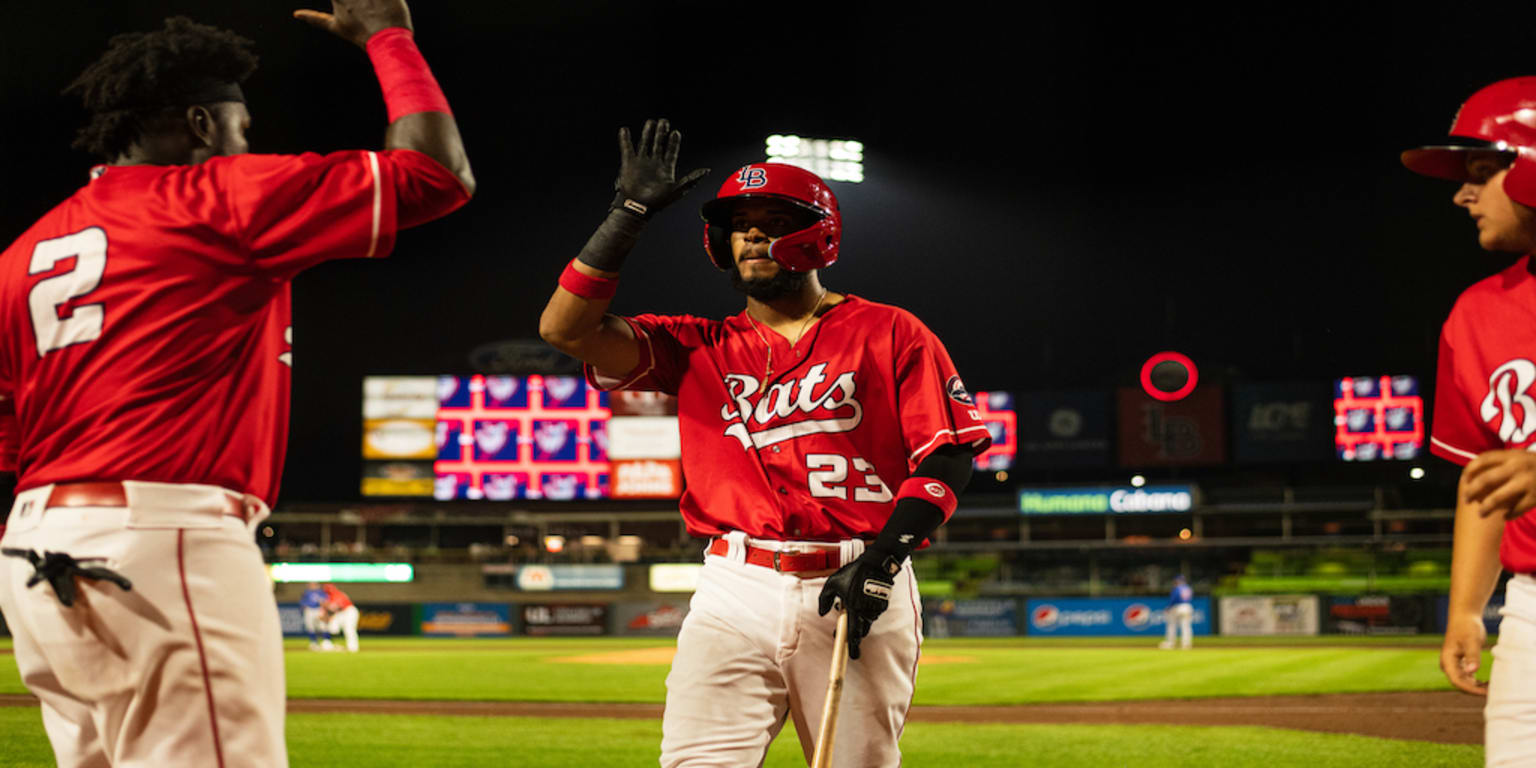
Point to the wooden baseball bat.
(823, 755)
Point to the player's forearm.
(915, 518)
(1474, 560)
(419, 116)
(575, 321)
(581, 328)
(569, 319)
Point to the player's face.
(755, 224)
(1502, 223)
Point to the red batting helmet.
(811, 248)
(1500, 119)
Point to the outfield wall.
(662, 616)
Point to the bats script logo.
(748, 415)
(1508, 401)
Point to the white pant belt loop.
(738, 546)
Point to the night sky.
(1058, 194)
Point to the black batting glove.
(60, 571)
(864, 588)
(648, 179)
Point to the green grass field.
(975, 672)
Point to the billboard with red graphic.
(1378, 417)
(487, 437)
(499, 438)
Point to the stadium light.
(1138, 481)
(831, 159)
(554, 543)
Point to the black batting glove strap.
(647, 179)
(60, 570)
(864, 588)
(607, 248)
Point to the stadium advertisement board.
(651, 618)
(1191, 431)
(545, 619)
(1281, 422)
(1378, 615)
(1106, 616)
(1491, 616)
(1258, 615)
(1168, 499)
(466, 619)
(1064, 429)
(544, 578)
(994, 617)
(372, 619)
(675, 577)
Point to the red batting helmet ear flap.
(717, 243)
(1520, 181)
(811, 248)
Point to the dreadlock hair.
(145, 77)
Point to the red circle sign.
(1168, 357)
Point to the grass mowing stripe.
(524, 669)
(407, 741)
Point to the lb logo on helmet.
(803, 250)
(752, 177)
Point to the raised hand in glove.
(864, 588)
(648, 179)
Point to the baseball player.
(1180, 614)
(340, 616)
(824, 437)
(1485, 415)
(313, 605)
(146, 348)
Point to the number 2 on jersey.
(830, 468)
(88, 248)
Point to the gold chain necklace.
(768, 367)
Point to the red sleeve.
(663, 356)
(932, 403)
(290, 212)
(1458, 433)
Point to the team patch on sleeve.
(956, 390)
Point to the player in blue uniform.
(312, 601)
(1180, 611)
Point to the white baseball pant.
(186, 668)
(753, 652)
(1180, 617)
(345, 623)
(312, 621)
(1509, 736)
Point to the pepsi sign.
(1107, 616)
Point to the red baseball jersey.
(147, 320)
(1484, 398)
(816, 451)
(335, 599)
